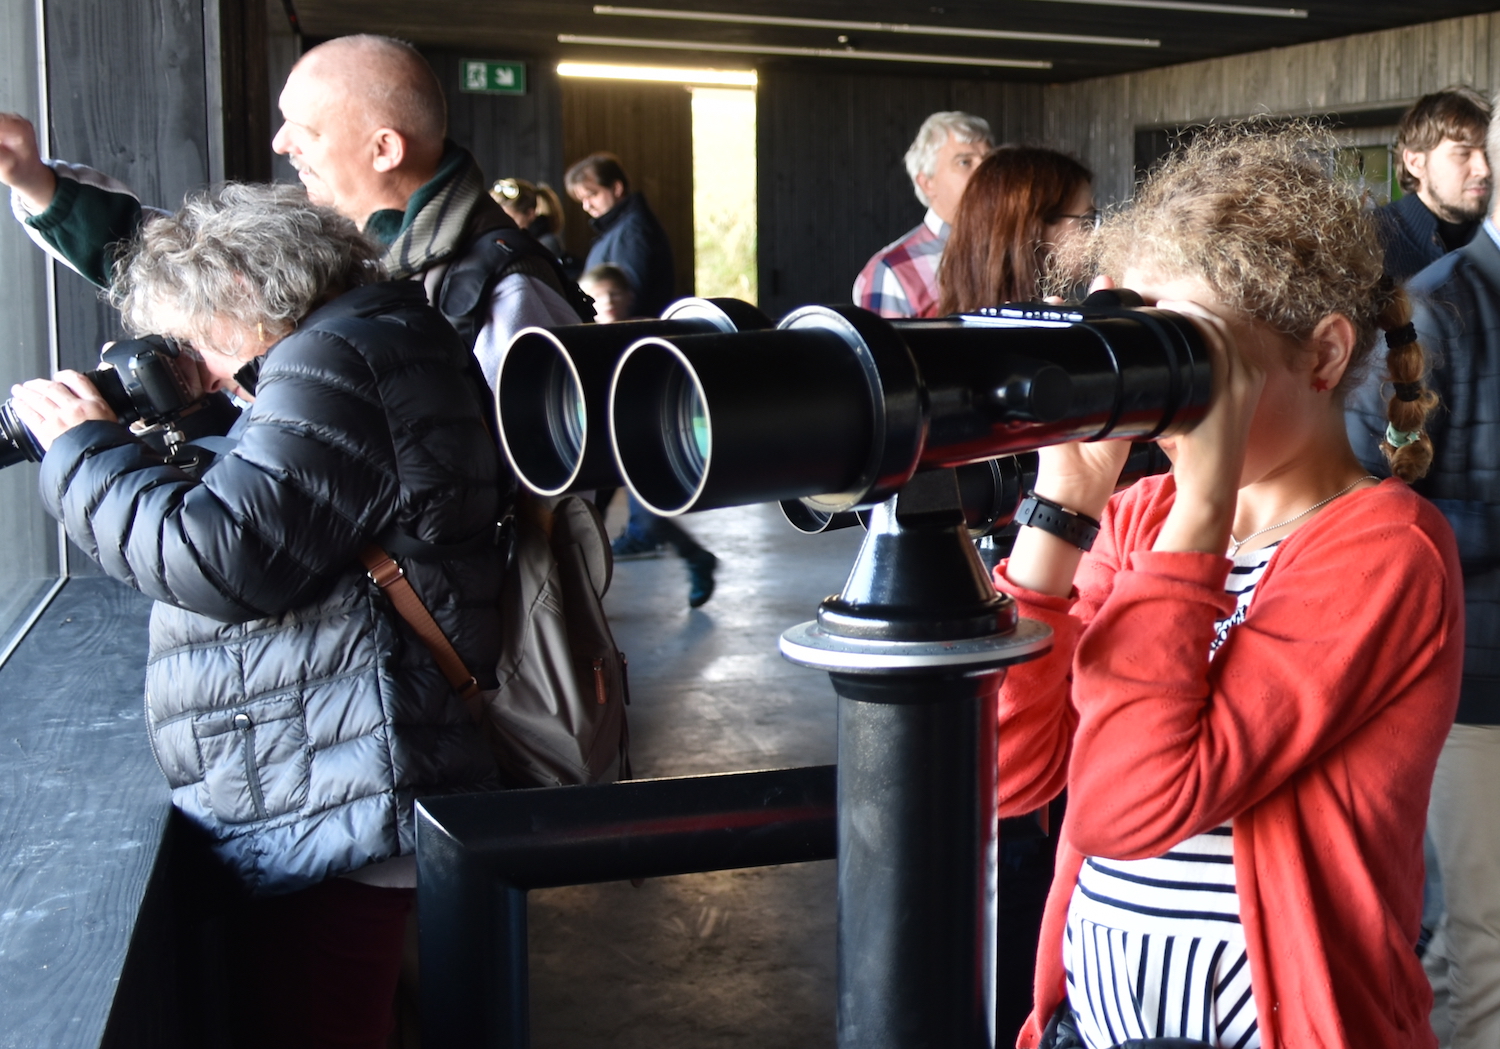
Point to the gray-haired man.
(901, 279)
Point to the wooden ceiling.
(513, 28)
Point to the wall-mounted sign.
(492, 78)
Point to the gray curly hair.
(921, 157)
(260, 255)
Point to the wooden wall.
(156, 137)
(650, 128)
(509, 136)
(30, 564)
(833, 189)
(1097, 119)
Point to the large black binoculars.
(835, 406)
(552, 390)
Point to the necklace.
(1235, 544)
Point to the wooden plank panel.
(153, 137)
(650, 128)
(509, 136)
(1098, 119)
(834, 189)
(31, 561)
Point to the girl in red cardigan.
(1256, 663)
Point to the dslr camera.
(144, 382)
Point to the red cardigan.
(1316, 729)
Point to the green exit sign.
(493, 78)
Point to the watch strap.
(1070, 526)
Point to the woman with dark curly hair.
(1256, 662)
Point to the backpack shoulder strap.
(488, 259)
(577, 521)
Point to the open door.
(650, 128)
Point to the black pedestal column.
(917, 646)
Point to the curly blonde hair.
(1253, 210)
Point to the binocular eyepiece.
(837, 407)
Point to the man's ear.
(1416, 164)
(1332, 344)
(389, 149)
(924, 183)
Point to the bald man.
(364, 126)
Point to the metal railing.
(479, 854)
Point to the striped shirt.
(901, 280)
(1154, 947)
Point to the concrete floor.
(733, 958)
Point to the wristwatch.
(1068, 525)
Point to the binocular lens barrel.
(554, 382)
(542, 411)
(838, 407)
(996, 385)
(722, 420)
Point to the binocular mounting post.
(917, 645)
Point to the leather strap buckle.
(385, 572)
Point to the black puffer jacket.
(1456, 309)
(295, 715)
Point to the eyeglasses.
(507, 188)
(1089, 219)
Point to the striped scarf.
(444, 221)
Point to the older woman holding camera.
(294, 713)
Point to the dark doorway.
(650, 128)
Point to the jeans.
(646, 526)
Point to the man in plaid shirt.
(902, 279)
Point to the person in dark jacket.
(1456, 314)
(630, 236)
(294, 713)
(1443, 170)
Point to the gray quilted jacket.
(294, 714)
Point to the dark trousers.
(645, 525)
(319, 967)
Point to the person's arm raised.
(21, 166)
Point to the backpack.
(464, 294)
(558, 715)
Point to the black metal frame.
(479, 854)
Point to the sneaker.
(633, 548)
(701, 578)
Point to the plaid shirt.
(901, 280)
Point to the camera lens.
(16, 443)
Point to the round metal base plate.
(809, 645)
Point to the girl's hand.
(1207, 462)
(51, 407)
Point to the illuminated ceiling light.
(801, 52)
(1185, 5)
(873, 27)
(659, 74)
